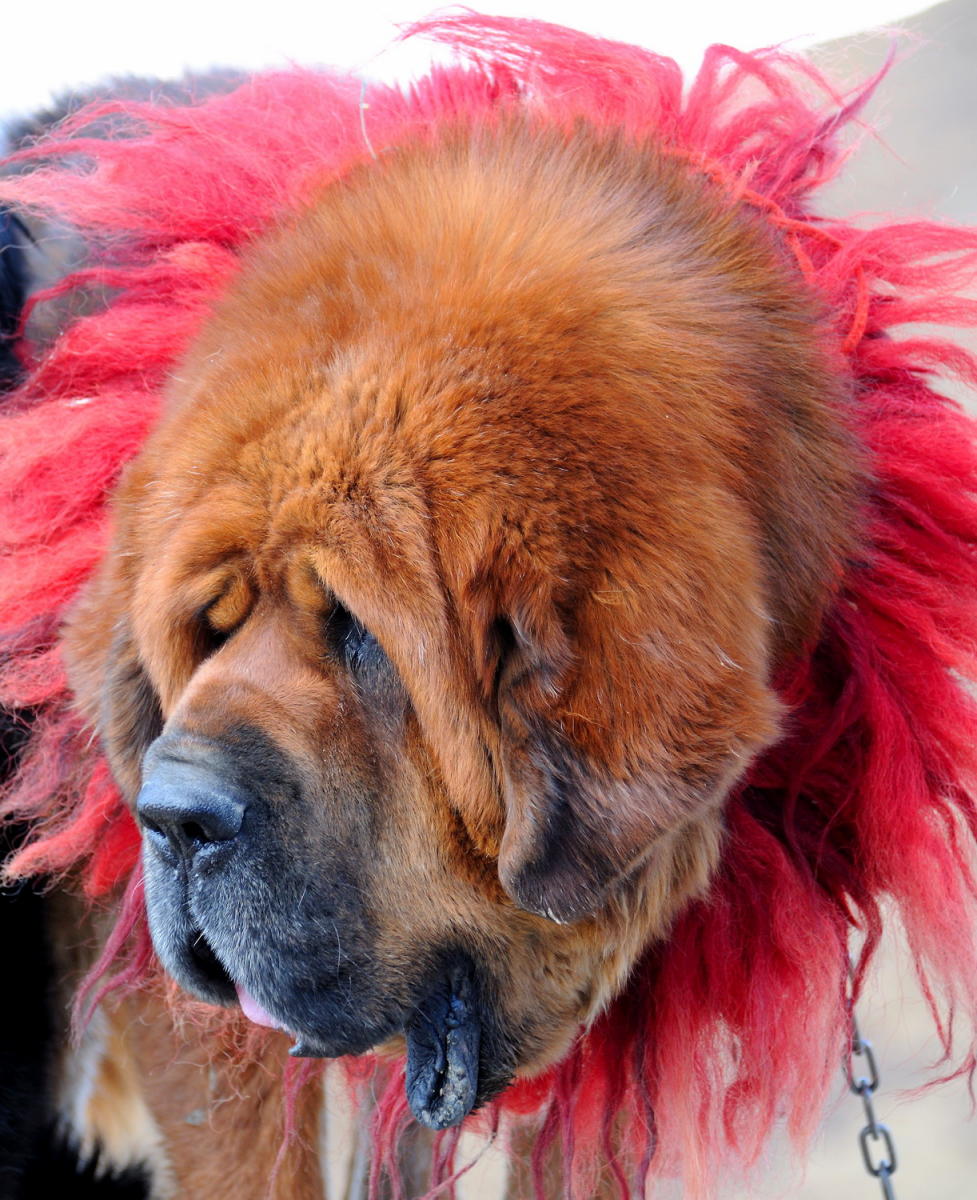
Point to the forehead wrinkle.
(341, 468)
(368, 527)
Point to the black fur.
(13, 290)
(36, 1162)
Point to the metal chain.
(875, 1137)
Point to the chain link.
(878, 1149)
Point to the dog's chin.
(198, 968)
(452, 1061)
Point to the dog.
(389, 526)
(456, 598)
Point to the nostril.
(195, 833)
(183, 808)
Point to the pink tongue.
(254, 1012)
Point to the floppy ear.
(110, 683)
(634, 731)
(570, 832)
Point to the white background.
(51, 46)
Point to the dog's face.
(442, 605)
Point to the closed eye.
(350, 640)
(220, 618)
(209, 637)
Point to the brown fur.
(551, 418)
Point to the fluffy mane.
(739, 1019)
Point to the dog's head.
(443, 603)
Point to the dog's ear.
(111, 686)
(628, 729)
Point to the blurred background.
(922, 160)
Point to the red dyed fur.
(740, 1017)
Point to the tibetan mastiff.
(444, 601)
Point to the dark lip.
(444, 1048)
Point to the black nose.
(184, 807)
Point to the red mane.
(739, 1019)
